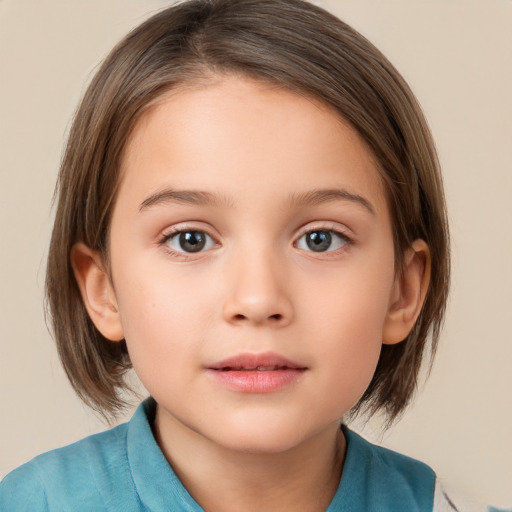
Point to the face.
(252, 263)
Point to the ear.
(97, 291)
(408, 295)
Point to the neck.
(221, 479)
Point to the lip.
(256, 373)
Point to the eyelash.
(332, 233)
(174, 233)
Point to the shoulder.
(23, 490)
(391, 464)
(386, 477)
(62, 478)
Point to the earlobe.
(409, 292)
(97, 291)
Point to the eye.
(322, 240)
(189, 241)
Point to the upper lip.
(248, 361)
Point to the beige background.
(456, 54)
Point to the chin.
(260, 445)
(263, 438)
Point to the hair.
(299, 47)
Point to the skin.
(257, 287)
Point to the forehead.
(234, 133)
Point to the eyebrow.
(202, 198)
(194, 197)
(319, 196)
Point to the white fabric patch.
(441, 501)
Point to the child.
(251, 214)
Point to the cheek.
(354, 299)
(164, 317)
(350, 316)
(349, 353)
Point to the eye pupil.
(192, 241)
(318, 241)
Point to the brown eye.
(190, 241)
(318, 241)
(322, 240)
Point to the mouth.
(250, 369)
(266, 362)
(257, 373)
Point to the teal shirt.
(124, 470)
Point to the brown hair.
(291, 43)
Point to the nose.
(257, 291)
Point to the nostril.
(276, 317)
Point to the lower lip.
(257, 381)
